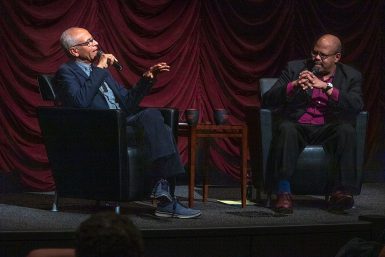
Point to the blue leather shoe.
(176, 210)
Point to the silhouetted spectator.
(108, 235)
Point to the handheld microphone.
(315, 71)
(116, 64)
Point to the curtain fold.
(217, 50)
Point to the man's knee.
(152, 115)
(287, 128)
(346, 130)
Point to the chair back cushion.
(46, 86)
(266, 83)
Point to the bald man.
(85, 82)
(319, 98)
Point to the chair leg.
(258, 194)
(117, 208)
(268, 200)
(55, 204)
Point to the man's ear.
(337, 57)
(73, 51)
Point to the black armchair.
(88, 151)
(312, 175)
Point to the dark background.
(218, 50)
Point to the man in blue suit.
(85, 82)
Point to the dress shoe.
(284, 203)
(340, 201)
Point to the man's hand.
(105, 60)
(308, 80)
(155, 70)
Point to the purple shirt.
(315, 112)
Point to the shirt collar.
(84, 66)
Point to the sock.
(284, 186)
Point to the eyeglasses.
(87, 43)
(322, 56)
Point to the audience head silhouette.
(108, 235)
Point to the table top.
(213, 130)
(210, 126)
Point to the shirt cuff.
(289, 88)
(335, 94)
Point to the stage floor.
(27, 223)
(31, 211)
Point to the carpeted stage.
(26, 222)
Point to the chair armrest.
(85, 145)
(171, 118)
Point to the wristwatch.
(328, 86)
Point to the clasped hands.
(308, 80)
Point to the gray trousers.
(157, 141)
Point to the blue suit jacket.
(75, 89)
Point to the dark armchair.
(88, 151)
(313, 171)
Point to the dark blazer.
(75, 89)
(346, 79)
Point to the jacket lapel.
(338, 77)
(77, 69)
(109, 80)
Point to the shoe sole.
(284, 210)
(171, 215)
(162, 198)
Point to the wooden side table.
(213, 131)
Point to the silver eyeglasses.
(87, 43)
(321, 55)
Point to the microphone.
(116, 64)
(315, 71)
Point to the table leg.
(192, 161)
(205, 185)
(205, 147)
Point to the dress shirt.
(105, 89)
(315, 112)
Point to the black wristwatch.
(329, 86)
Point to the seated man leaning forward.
(319, 99)
(85, 82)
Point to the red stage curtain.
(218, 49)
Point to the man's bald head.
(70, 37)
(331, 42)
